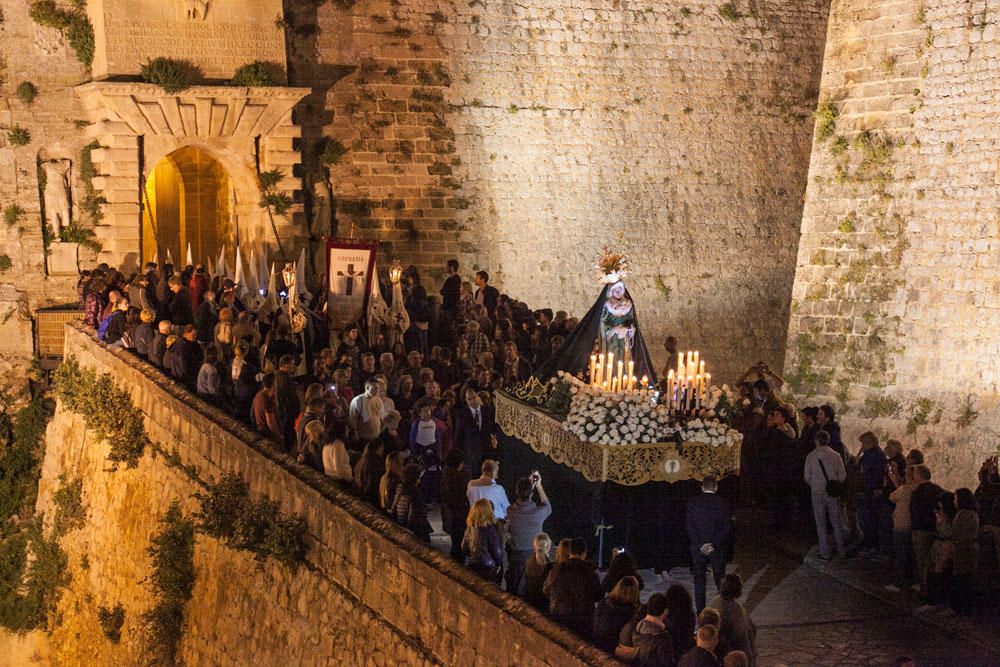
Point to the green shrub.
(172, 553)
(26, 92)
(269, 179)
(73, 23)
(68, 499)
(21, 458)
(111, 621)
(108, 410)
(33, 570)
(12, 214)
(18, 136)
(826, 120)
(85, 237)
(330, 151)
(258, 74)
(170, 74)
(728, 12)
(276, 203)
(229, 513)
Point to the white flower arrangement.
(634, 418)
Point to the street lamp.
(395, 272)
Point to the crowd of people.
(879, 504)
(409, 424)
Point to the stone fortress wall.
(678, 131)
(521, 138)
(895, 311)
(370, 593)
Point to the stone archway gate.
(249, 130)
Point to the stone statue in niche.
(196, 9)
(56, 196)
(320, 207)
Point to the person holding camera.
(825, 475)
(524, 521)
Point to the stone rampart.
(894, 312)
(521, 138)
(370, 593)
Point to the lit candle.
(701, 368)
(621, 367)
(697, 391)
(690, 365)
(708, 383)
(631, 382)
(680, 363)
(600, 370)
(670, 390)
(611, 366)
(593, 369)
(644, 382)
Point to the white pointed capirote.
(253, 281)
(222, 267)
(232, 214)
(156, 257)
(240, 278)
(170, 260)
(189, 261)
(210, 266)
(300, 277)
(270, 303)
(378, 309)
(263, 263)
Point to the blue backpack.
(102, 329)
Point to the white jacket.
(833, 464)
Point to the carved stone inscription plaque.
(217, 35)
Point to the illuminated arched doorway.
(187, 201)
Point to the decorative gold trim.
(630, 465)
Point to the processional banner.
(350, 267)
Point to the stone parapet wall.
(894, 312)
(371, 593)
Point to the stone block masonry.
(895, 308)
(521, 138)
(370, 594)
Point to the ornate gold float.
(630, 465)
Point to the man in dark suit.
(474, 428)
(709, 525)
(486, 294)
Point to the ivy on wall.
(229, 513)
(107, 410)
(172, 553)
(72, 23)
(21, 458)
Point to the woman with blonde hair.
(224, 333)
(391, 479)
(482, 543)
(615, 611)
(335, 461)
(536, 570)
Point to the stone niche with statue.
(218, 36)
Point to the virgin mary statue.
(610, 326)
